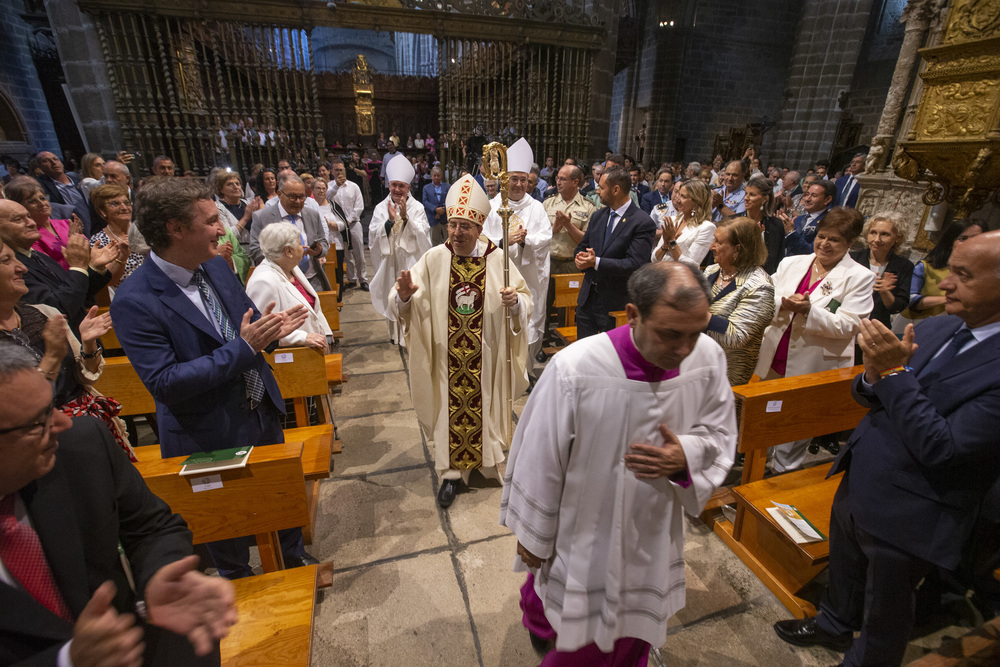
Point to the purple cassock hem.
(640, 370)
(628, 651)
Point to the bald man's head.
(972, 289)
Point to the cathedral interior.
(914, 85)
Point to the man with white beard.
(398, 236)
(530, 236)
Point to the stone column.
(86, 75)
(917, 16)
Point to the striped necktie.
(254, 384)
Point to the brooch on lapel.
(826, 288)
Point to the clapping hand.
(797, 303)
(54, 334)
(882, 349)
(787, 221)
(75, 224)
(586, 259)
(562, 221)
(94, 325)
(101, 256)
(104, 638)
(77, 251)
(270, 326)
(185, 601)
(405, 286)
(886, 283)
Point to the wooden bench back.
(265, 496)
(299, 371)
(567, 289)
(120, 382)
(328, 304)
(109, 340)
(793, 408)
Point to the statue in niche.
(364, 97)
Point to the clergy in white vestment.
(349, 196)
(451, 305)
(623, 432)
(398, 236)
(530, 237)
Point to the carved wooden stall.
(226, 82)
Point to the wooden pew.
(331, 309)
(567, 289)
(120, 381)
(260, 499)
(276, 612)
(775, 412)
(621, 318)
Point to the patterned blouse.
(741, 311)
(133, 262)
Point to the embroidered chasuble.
(613, 544)
(454, 331)
(465, 360)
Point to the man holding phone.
(291, 208)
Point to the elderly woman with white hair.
(882, 236)
(279, 279)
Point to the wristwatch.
(672, 245)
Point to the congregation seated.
(70, 291)
(820, 299)
(279, 279)
(114, 207)
(741, 297)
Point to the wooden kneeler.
(775, 412)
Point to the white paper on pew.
(773, 406)
(284, 358)
(574, 283)
(206, 483)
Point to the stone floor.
(416, 585)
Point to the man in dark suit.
(801, 232)
(63, 188)
(291, 207)
(437, 216)
(195, 339)
(848, 186)
(68, 497)
(638, 187)
(619, 239)
(917, 467)
(660, 194)
(72, 291)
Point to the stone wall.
(86, 75)
(19, 84)
(827, 48)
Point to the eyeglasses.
(38, 427)
(464, 226)
(36, 201)
(117, 204)
(301, 197)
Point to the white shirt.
(349, 197)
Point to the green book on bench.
(221, 459)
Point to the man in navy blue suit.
(801, 232)
(638, 187)
(63, 188)
(848, 186)
(660, 194)
(918, 466)
(437, 216)
(195, 339)
(618, 240)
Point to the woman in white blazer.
(279, 279)
(688, 236)
(820, 300)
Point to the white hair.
(276, 237)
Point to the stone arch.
(12, 127)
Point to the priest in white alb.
(398, 236)
(530, 237)
(623, 432)
(451, 306)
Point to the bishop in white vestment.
(530, 235)
(451, 306)
(398, 236)
(623, 431)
